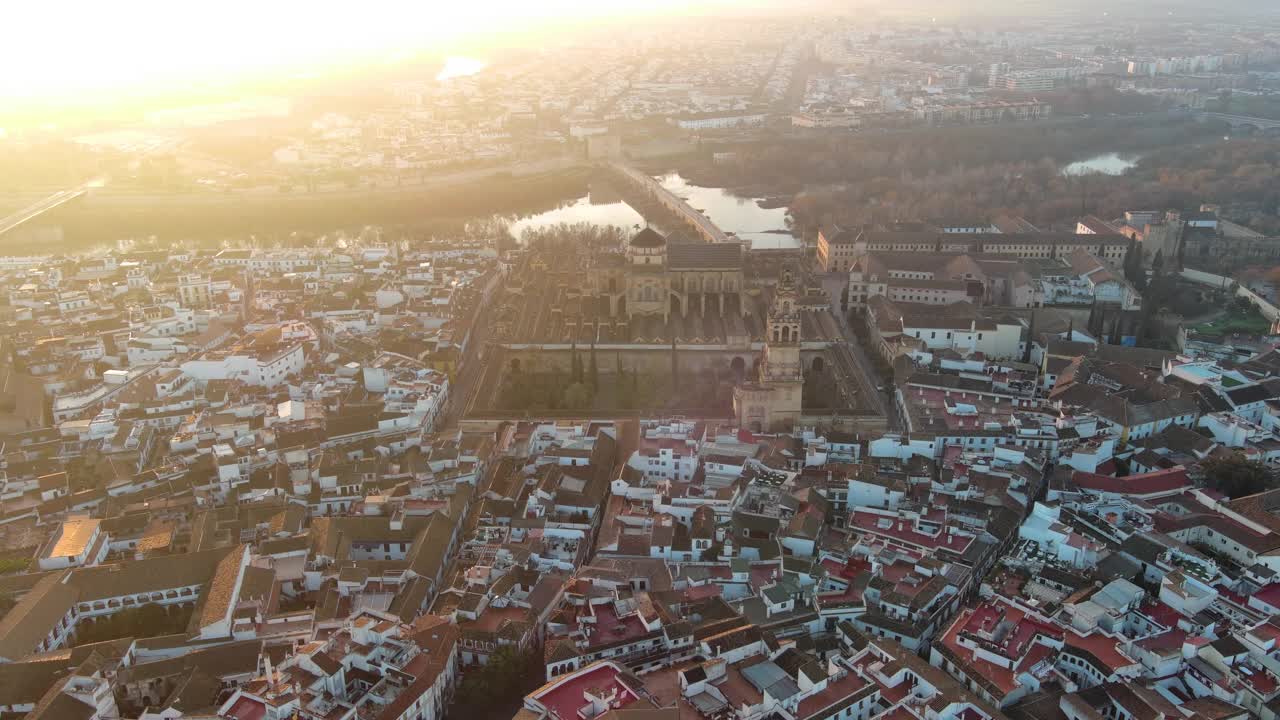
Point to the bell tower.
(773, 400)
(782, 341)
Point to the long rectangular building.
(1109, 248)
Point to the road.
(473, 361)
(851, 357)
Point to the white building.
(1085, 280)
(1058, 540)
(79, 542)
(264, 369)
(720, 122)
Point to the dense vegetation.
(849, 157)
(13, 564)
(622, 389)
(1235, 476)
(1242, 317)
(288, 218)
(575, 235)
(983, 171)
(1265, 106)
(1240, 174)
(496, 689)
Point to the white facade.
(1003, 341)
(268, 371)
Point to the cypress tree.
(620, 386)
(594, 377)
(1031, 338)
(575, 364)
(675, 367)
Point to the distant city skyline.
(150, 45)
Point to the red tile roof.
(1018, 644)
(248, 709)
(564, 698)
(1269, 595)
(1169, 481)
(903, 530)
(1105, 649)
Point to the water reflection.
(581, 210)
(1106, 164)
(457, 66)
(762, 227)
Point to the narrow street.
(851, 357)
(473, 361)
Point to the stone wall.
(648, 359)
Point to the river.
(742, 217)
(602, 209)
(1106, 164)
(456, 67)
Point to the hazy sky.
(78, 54)
(70, 49)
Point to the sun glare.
(91, 49)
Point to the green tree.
(577, 396)
(575, 364)
(1236, 476)
(593, 379)
(621, 385)
(844, 299)
(555, 390)
(1131, 258)
(1031, 338)
(675, 367)
(710, 385)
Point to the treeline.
(1240, 174)
(276, 218)
(1095, 101)
(493, 691)
(578, 234)
(586, 386)
(791, 165)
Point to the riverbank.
(105, 217)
